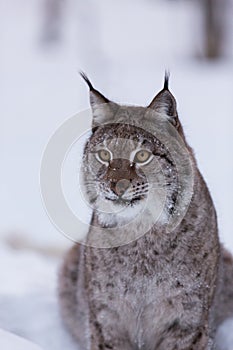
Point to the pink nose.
(121, 187)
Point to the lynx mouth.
(125, 202)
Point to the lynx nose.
(121, 186)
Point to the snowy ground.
(28, 301)
(29, 309)
(41, 88)
(10, 341)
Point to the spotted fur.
(163, 290)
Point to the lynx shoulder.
(151, 272)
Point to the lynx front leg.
(109, 335)
(180, 338)
(112, 319)
(179, 324)
(199, 342)
(98, 345)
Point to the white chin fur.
(110, 213)
(144, 212)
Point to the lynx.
(152, 273)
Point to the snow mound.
(10, 341)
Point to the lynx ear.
(165, 103)
(102, 108)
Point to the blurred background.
(124, 46)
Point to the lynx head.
(136, 160)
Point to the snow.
(29, 306)
(28, 299)
(225, 335)
(11, 342)
(40, 87)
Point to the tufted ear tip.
(102, 107)
(96, 98)
(164, 102)
(86, 79)
(166, 80)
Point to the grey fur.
(162, 291)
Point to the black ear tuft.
(84, 76)
(102, 107)
(164, 102)
(166, 80)
(96, 98)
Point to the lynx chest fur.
(148, 274)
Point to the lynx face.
(128, 166)
(127, 170)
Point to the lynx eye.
(142, 156)
(104, 155)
